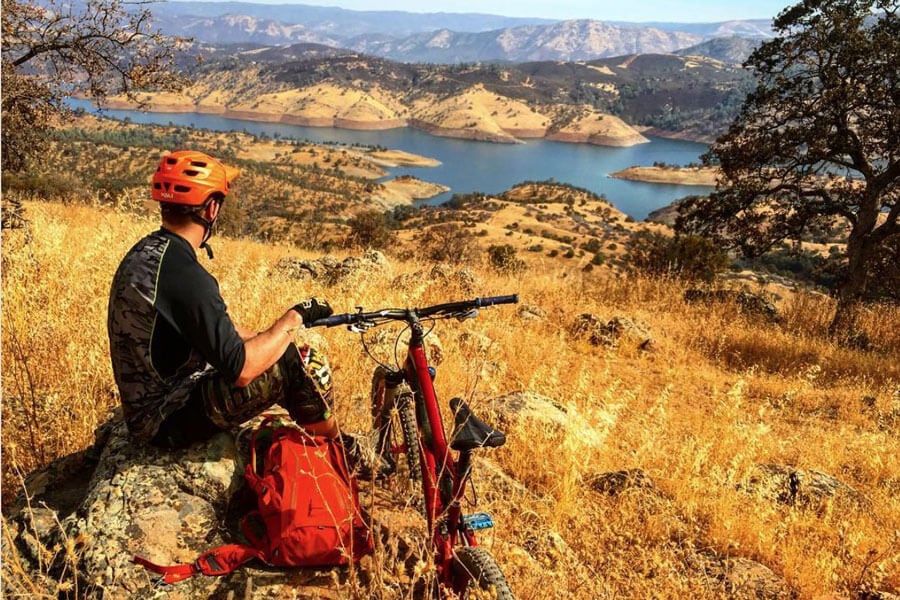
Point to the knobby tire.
(473, 567)
(396, 423)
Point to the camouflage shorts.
(286, 383)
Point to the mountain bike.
(407, 418)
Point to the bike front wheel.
(394, 418)
(475, 574)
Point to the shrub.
(402, 213)
(370, 229)
(503, 258)
(592, 245)
(447, 242)
(689, 257)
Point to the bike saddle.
(470, 431)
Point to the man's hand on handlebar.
(313, 309)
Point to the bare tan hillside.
(474, 113)
(675, 175)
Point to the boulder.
(141, 500)
(798, 487)
(297, 268)
(531, 412)
(618, 482)
(331, 271)
(123, 499)
(878, 595)
(611, 333)
(418, 281)
(749, 304)
(531, 312)
(744, 579)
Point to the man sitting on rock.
(184, 370)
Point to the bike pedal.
(477, 521)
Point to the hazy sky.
(690, 11)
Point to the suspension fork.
(392, 381)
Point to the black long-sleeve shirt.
(168, 327)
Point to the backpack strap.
(218, 561)
(247, 530)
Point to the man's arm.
(244, 333)
(264, 349)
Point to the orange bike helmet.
(188, 177)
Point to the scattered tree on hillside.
(818, 138)
(447, 242)
(689, 257)
(54, 49)
(370, 229)
(503, 258)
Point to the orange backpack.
(308, 504)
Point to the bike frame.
(443, 514)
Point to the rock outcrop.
(332, 271)
(134, 499)
(798, 487)
(89, 514)
(611, 333)
(416, 282)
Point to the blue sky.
(686, 11)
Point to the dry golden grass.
(719, 396)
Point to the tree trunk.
(844, 326)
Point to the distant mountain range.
(449, 38)
(732, 49)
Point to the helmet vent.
(171, 161)
(182, 189)
(156, 186)
(191, 172)
(198, 163)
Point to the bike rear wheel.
(394, 418)
(475, 574)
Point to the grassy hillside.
(720, 395)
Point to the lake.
(469, 166)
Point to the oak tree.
(57, 48)
(818, 140)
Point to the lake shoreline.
(460, 165)
(619, 136)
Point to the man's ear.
(212, 209)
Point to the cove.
(470, 166)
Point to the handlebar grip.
(492, 300)
(332, 321)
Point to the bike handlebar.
(400, 314)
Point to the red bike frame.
(437, 462)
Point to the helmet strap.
(208, 227)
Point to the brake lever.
(361, 326)
(467, 315)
